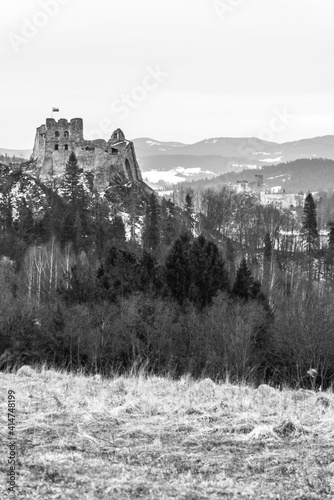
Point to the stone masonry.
(55, 141)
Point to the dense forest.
(294, 176)
(218, 285)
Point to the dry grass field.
(155, 438)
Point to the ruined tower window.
(66, 147)
(57, 134)
(115, 135)
(114, 151)
(66, 134)
(56, 147)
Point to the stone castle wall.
(55, 141)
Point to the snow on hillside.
(272, 160)
(175, 175)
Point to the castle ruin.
(55, 141)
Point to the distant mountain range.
(304, 175)
(171, 162)
(19, 153)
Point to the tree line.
(214, 285)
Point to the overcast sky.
(182, 70)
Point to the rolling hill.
(217, 156)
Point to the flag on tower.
(54, 110)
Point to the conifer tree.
(267, 259)
(67, 232)
(118, 230)
(268, 247)
(194, 270)
(189, 212)
(309, 231)
(77, 230)
(178, 268)
(169, 221)
(230, 258)
(25, 223)
(209, 274)
(151, 235)
(118, 274)
(76, 221)
(329, 256)
(149, 273)
(73, 190)
(244, 282)
(330, 226)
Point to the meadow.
(143, 436)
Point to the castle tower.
(117, 136)
(55, 141)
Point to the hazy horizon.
(191, 143)
(177, 71)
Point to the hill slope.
(299, 175)
(151, 437)
(220, 155)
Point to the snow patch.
(174, 175)
(272, 160)
(245, 165)
(276, 176)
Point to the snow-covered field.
(176, 175)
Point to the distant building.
(242, 187)
(282, 200)
(275, 196)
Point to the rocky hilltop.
(55, 140)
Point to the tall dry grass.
(143, 436)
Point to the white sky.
(227, 72)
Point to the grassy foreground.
(154, 438)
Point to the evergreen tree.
(169, 221)
(77, 221)
(244, 282)
(101, 227)
(209, 274)
(329, 256)
(230, 258)
(309, 224)
(67, 232)
(330, 226)
(149, 273)
(25, 223)
(151, 234)
(118, 230)
(118, 274)
(73, 190)
(77, 233)
(267, 259)
(268, 248)
(194, 270)
(178, 268)
(189, 212)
